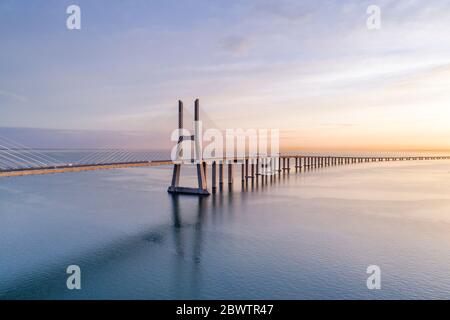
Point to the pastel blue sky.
(310, 68)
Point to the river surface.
(308, 235)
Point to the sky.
(309, 68)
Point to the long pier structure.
(251, 167)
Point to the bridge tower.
(202, 189)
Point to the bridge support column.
(176, 176)
(213, 177)
(230, 173)
(246, 168)
(205, 172)
(220, 173)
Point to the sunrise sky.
(310, 68)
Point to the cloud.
(236, 45)
(13, 96)
(338, 124)
(293, 12)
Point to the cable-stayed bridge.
(17, 159)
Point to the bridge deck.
(79, 168)
(92, 167)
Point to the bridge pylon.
(202, 189)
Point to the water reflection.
(186, 229)
(180, 247)
(206, 247)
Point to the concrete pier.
(202, 189)
(246, 169)
(213, 176)
(220, 173)
(230, 173)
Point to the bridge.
(19, 160)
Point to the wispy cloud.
(13, 96)
(237, 45)
(293, 11)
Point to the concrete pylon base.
(185, 190)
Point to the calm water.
(303, 236)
